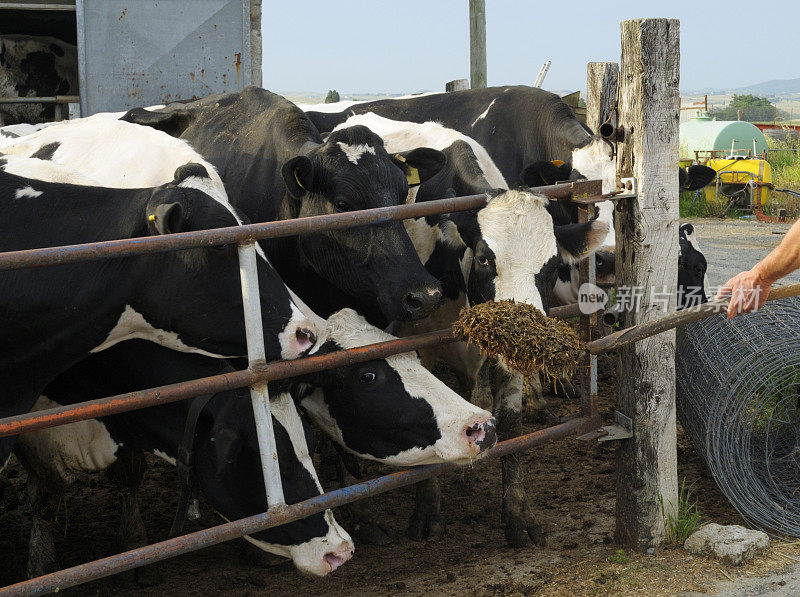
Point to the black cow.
(517, 125)
(276, 166)
(52, 317)
(227, 466)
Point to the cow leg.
(520, 523)
(533, 400)
(42, 505)
(127, 473)
(363, 524)
(426, 520)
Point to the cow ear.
(173, 122)
(696, 177)
(419, 164)
(544, 173)
(166, 218)
(577, 241)
(227, 445)
(298, 175)
(189, 170)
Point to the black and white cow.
(692, 268)
(52, 317)
(227, 462)
(32, 66)
(276, 166)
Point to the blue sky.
(413, 45)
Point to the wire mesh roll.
(738, 398)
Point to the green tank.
(701, 133)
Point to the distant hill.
(766, 88)
(774, 87)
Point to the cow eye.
(341, 205)
(699, 268)
(367, 377)
(483, 261)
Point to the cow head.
(207, 278)
(392, 410)
(230, 475)
(517, 250)
(691, 269)
(351, 171)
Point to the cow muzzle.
(298, 337)
(481, 435)
(420, 302)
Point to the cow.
(52, 317)
(226, 463)
(692, 268)
(513, 253)
(276, 166)
(33, 66)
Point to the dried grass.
(523, 336)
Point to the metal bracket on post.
(621, 429)
(629, 189)
(256, 356)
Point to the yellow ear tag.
(152, 217)
(412, 174)
(299, 184)
(557, 162)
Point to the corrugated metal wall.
(144, 52)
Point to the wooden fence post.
(477, 43)
(646, 267)
(601, 92)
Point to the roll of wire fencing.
(738, 399)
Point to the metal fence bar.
(275, 516)
(259, 391)
(102, 407)
(13, 260)
(50, 99)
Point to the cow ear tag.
(412, 174)
(297, 178)
(557, 162)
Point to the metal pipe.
(279, 515)
(217, 383)
(29, 258)
(259, 391)
(50, 99)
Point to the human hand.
(748, 292)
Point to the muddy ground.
(570, 483)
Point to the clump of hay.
(523, 336)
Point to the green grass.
(785, 175)
(686, 520)
(618, 557)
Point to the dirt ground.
(570, 483)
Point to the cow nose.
(482, 434)
(306, 339)
(336, 559)
(422, 301)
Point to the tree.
(751, 108)
(332, 97)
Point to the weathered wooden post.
(601, 92)
(477, 43)
(646, 269)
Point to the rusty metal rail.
(276, 516)
(42, 419)
(14, 260)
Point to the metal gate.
(585, 193)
